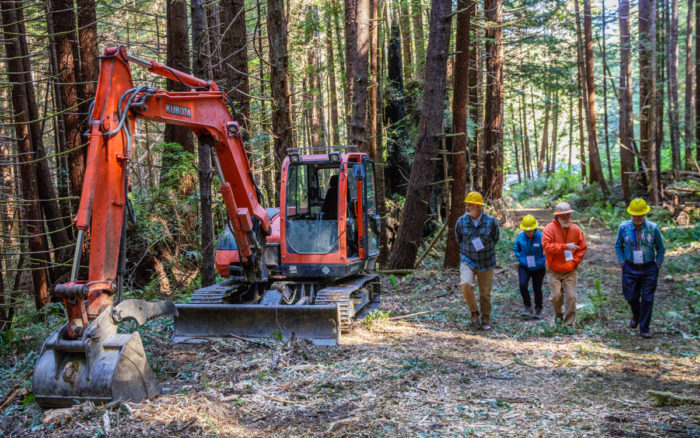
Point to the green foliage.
(593, 308)
(546, 191)
(179, 163)
(373, 317)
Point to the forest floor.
(431, 374)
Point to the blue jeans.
(638, 287)
(537, 276)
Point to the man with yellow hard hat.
(477, 234)
(640, 250)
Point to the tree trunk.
(350, 53)
(473, 102)
(31, 211)
(595, 166)
(418, 38)
(332, 92)
(647, 92)
(523, 120)
(64, 22)
(583, 96)
(358, 127)
(234, 52)
(279, 83)
(89, 59)
(460, 103)
(625, 121)
(414, 213)
(200, 43)
(689, 73)
(659, 101)
(405, 23)
(545, 135)
(313, 68)
(493, 122)
(555, 128)
(335, 10)
(571, 130)
(697, 80)
(605, 100)
(177, 38)
(672, 64)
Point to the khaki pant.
(485, 280)
(562, 287)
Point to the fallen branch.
(12, 393)
(434, 241)
(410, 315)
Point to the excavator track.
(214, 294)
(351, 298)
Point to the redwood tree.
(460, 102)
(414, 213)
(358, 130)
(625, 120)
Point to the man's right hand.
(572, 247)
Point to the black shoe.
(646, 335)
(527, 312)
(633, 323)
(538, 314)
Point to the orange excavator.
(297, 271)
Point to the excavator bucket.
(102, 365)
(318, 323)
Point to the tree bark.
(689, 74)
(358, 127)
(659, 101)
(177, 38)
(605, 99)
(406, 37)
(672, 65)
(200, 44)
(395, 116)
(63, 17)
(493, 121)
(413, 215)
(350, 53)
(31, 211)
(234, 51)
(418, 38)
(697, 80)
(279, 83)
(582, 90)
(625, 120)
(473, 114)
(555, 133)
(595, 166)
(545, 134)
(332, 91)
(89, 59)
(647, 92)
(460, 103)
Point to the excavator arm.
(103, 201)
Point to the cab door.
(370, 211)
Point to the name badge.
(638, 257)
(536, 245)
(478, 244)
(530, 261)
(568, 255)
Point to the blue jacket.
(487, 231)
(648, 239)
(530, 247)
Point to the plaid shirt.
(487, 231)
(648, 239)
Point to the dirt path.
(432, 375)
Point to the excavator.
(301, 270)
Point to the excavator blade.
(102, 365)
(318, 323)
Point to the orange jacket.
(554, 240)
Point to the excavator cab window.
(312, 208)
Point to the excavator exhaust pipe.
(318, 323)
(101, 366)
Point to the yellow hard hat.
(529, 223)
(638, 207)
(474, 198)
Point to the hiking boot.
(475, 319)
(485, 326)
(538, 314)
(527, 312)
(633, 323)
(646, 335)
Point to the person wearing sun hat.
(477, 234)
(640, 250)
(531, 264)
(564, 248)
